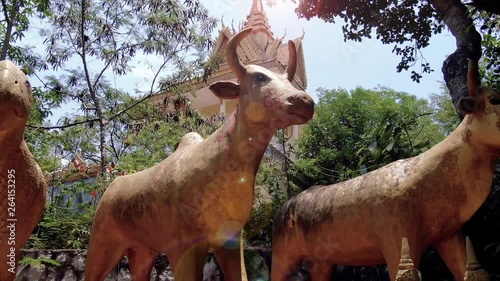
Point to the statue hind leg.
(187, 264)
(101, 258)
(232, 262)
(141, 261)
(284, 260)
(320, 271)
(104, 252)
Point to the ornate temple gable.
(282, 58)
(224, 35)
(272, 48)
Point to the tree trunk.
(92, 91)
(10, 19)
(455, 16)
(6, 41)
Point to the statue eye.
(261, 78)
(495, 101)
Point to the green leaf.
(38, 261)
(390, 146)
(372, 147)
(387, 133)
(377, 152)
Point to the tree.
(14, 22)
(102, 38)
(409, 24)
(444, 111)
(347, 128)
(166, 129)
(490, 68)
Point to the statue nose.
(302, 102)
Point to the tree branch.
(456, 16)
(114, 116)
(8, 31)
(62, 126)
(113, 149)
(92, 90)
(119, 113)
(5, 13)
(162, 66)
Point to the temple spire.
(257, 7)
(257, 19)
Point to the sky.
(330, 62)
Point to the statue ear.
(473, 81)
(468, 104)
(225, 89)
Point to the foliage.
(270, 176)
(39, 261)
(489, 23)
(66, 221)
(15, 21)
(93, 41)
(444, 111)
(491, 70)
(408, 25)
(114, 32)
(166, 131)
(42, 143)
(392, 140)
(378, 126)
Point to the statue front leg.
(231, 261)
(452, 251)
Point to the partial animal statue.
(22, 183)
(427, 198)
(200, 197)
